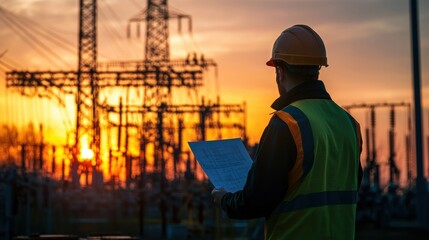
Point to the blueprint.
(226, 162)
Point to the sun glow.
(86, 154)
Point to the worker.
(307, 170)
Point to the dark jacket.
(267, 180)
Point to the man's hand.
(217, 196)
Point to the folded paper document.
(226, 162)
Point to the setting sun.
(86, 154)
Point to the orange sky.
(367, 41)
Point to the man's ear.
(282, 74)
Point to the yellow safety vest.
(321, 199)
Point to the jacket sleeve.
(267, 180)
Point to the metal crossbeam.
(191, 62)
(176, 73)
(179, 109)
(126, 78)
(376, 105)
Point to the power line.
(114, 31)
(111, 33)
(21, 31)
(48, 32)
(115, 16)
(137, 4)
(10, 67)
(25, 39)
(43, 31)
(12, 62)
(3, 53)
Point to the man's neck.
(289, 85)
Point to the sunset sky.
(367, 42)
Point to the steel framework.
(157, 74)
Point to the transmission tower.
(91, 77)
(157, 15)
(157, 74)
(87, 111)
(83, 83)
(158, 103)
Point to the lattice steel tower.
(87, 113)
(157, 47)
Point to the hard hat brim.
(271, 63)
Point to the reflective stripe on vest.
(300, 129)
(356, 126)
(317, 200)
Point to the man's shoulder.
(276, 122)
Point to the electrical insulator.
(138, 29)
(392, 116)
(128, 30)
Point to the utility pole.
(409, 148)
(393, 169)
(427, 142)
(422, 209)
(375, 166)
